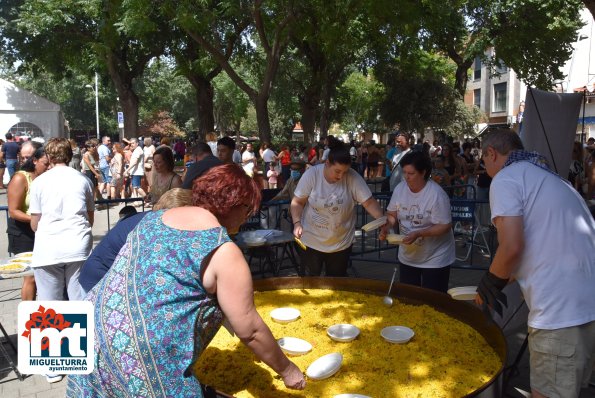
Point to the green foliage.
(534, 37)
(230, 105)
(162, 89)
(358, 101)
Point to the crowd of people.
(178, 265)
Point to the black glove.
(490, 290)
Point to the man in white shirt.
(403, 146)
(249, 160)
(546, 242)
(136, 169)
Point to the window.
(477, 97)
(500, 97)
(477, 69)
(501, 67)
(26, 129)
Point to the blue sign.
(120, 119)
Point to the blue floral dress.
(153, 317)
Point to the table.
(268, 251)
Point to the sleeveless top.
(157, 191)
(25, 205)
(91, 160)
(153, 316)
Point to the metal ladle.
(388, 300)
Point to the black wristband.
(496, 281)
(298, 221)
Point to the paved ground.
(375, 267)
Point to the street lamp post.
(96, 102)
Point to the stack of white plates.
(395, 239)
(463, 293)
(377, 223)
(397, 334)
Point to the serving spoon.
(388, 300)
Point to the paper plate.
(397, 334)
(255, 241)
(285, 314)
(12, 268)
(343, 332)
(325, 366)
(351, 396)
(294, 346)
(377, 223)
(395, 239)
(465, 293)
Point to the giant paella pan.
(456, 350)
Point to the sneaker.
(53, 377)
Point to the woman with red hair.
(172, 297)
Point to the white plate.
(397, 334)
(255, 241)
(294, 346)
(325, 366)
(351, 396)
(463, 292)
(372, 225)
(285, 314)
(25, 255)
(343, 332)
(395, 239)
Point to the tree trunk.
(462, 76)
(122, 80)
(325, 110)
(129, 103)
(262, 117)
(309, 107)
(204, 100)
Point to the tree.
(91, 36)
(417, 94)
(230, 104)
(160, 123)
(359, 101)
(268, 35)
(533, 37)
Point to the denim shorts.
(105, 174)
(136, 181)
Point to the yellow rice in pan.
(445, 358)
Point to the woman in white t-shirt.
(62, 209)
(323, 212)
(422, 209)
